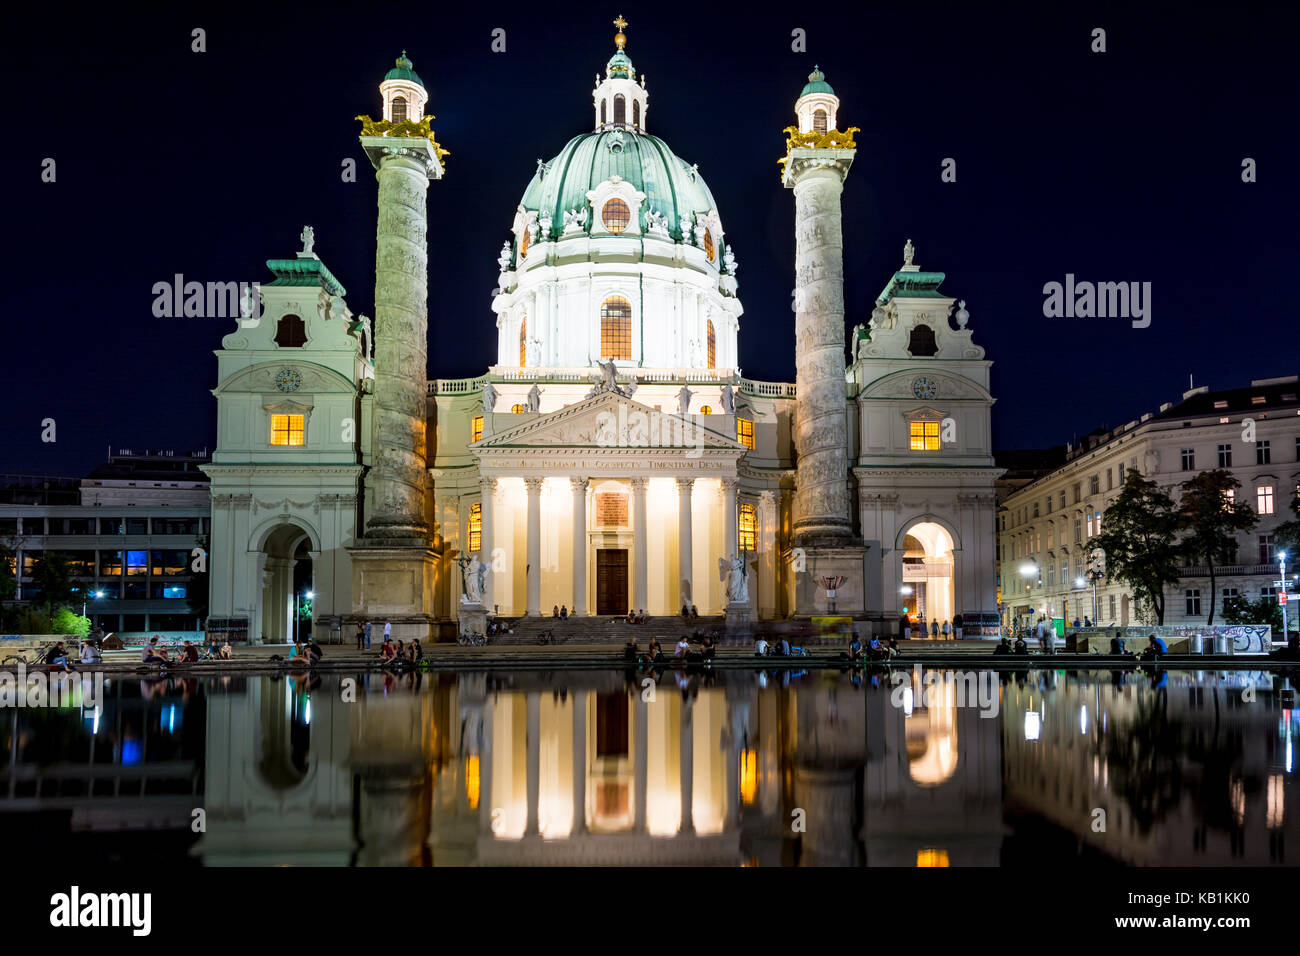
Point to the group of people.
(779, 646)
(637, 617)
(560, 612)
(874, 650)
(947, 630)
(400, 653)
(700, 647)
(689, 613)
(154, 652)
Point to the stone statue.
(629, 389)
(729, 258)
(249, 301)
(879, 317)
(684, 401)
(732, 572)
(699, 234)
(474, 578)
(962, 315)
(685, 225)
(608, 376)
(575, 219)
(534, 352)
(323, 306)
(656, 223)
(489, 397)
(308, 237)
(728, 400)
(534, 399)
(544, 222)
(503, 260)
(909, 251)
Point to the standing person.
(947, 631)
(388, 631)
(361, 638)
(957, 622)
(934, 629)
(367, 635)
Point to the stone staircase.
(604, 630)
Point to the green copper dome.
(817, 83)
(672, 187)
(404, 70)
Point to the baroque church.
(612, 456)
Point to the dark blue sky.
(1122, 166)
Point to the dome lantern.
(620, 102)
(403, 92)
(817, 104)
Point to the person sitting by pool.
(760, 646)
(653, 652)
(894, 649)
(707, 649)
(695, 614)
(1155, 649)
(855, 647)
(683, 646)
(781, 647)
(630, 650)
(387, 652)
(189, 654)
(1004, 647)
(224, 653)
(1117, 645)
(415, 652)
(90, 653)
(875, 650)
(314, 651)
(151, 653)
(57, 657)
(1020, 646)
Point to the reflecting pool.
(727, 767)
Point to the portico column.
(534, 487)
(641, 769)
(533, 763)
(639, 574)
(579, 763)
(684, 487)
(487, 492)
(728, 487)
(579, 486)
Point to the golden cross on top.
(621, 24)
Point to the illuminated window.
(523, 243)
(819, 121)
(286, 430)
(745, 432)
(636, 114)
(290, 332)
(932, 858)
(748, 526)
(709, 250)
(713, 344)
(476, 430)
(616, 324)
(924, 436)
(706, 409)
(516, 409)
(1264, 499)
(748, 777)
(475, 527)
(615, 215)
(523, 341)
(620, 109)
(399, 109)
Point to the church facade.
(612, 456)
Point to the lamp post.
(1281, 563)
(1030, 570)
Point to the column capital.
(639, 484)
(533, 485)
(684, 485)
(579, 485)
(487, 485)
(728, 486)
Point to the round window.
(615, 215)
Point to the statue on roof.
(534, 399)
(308, 237)
(909, 251)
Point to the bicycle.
(471, 640)
(547, 637)
(31, 657)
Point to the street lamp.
(1281, 563)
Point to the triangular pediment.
(609, 420)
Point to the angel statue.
(732, 572)
(308, 237)
(728, 400)
(489, 397)
(503, 260)
(684, 401)
(474, 575)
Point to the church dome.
(404, 70)
(673, 188)
(817, 84)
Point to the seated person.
(555, 611)
(653, 651)
(686, 612)
(387, 652)
(189, 654)
(683, 646)
(1004, 647)
(894, 649)
(415, 652)
(57, 656)
(781, 647)
(314, 650)
(213, 647)
(90, 653)
(1020, 646)
(760, 647)
(1117, 645)
(225, 652)
(876, 650)
(630, 650)
(1155, 649)
(694, 613)
(151, 653)
(564, 612)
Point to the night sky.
(1120, 166)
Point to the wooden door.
(611, 581)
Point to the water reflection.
(731, 768)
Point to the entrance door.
(611, 581)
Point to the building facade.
(1044, 528)
(612, 456)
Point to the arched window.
(706, 409)
(620, 109)
(819, 121)
(747, 525)
(709, 249)
(475, 542)
(523, 341)
(713, 345)
(523, 243)
(922, 341)
(516, 409)
(399, 109)
(636, 114)
(602, 112)
(615, 215)
(290, 332)
(616, 328)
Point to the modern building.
(612, 455)
(1045, 527)
(130, 529)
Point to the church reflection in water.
(736, 768)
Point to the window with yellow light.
(287, 430)
(745, 432)
(475, 542)
(924, 436)
(476, 430)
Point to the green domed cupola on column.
(403, 92)
(620, 103)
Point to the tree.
(1211, 519)
(1287, 535)
(1140, 541)
(1242, 610)
(53, 576)
(8, 580)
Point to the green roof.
(912, 285)
(305, 271)
(404, 70)
(817, 83)
(620, 66)
(671, 185)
